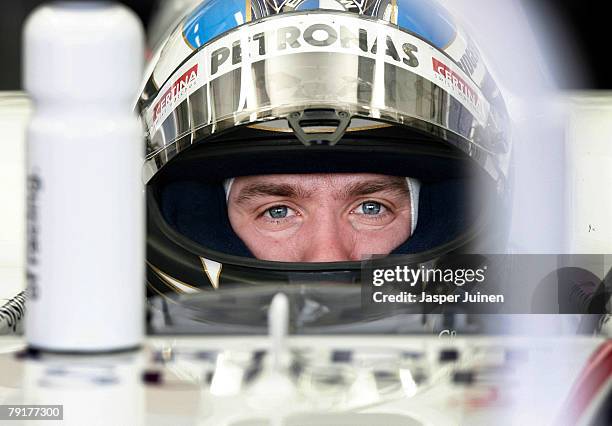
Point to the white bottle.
(82, 68)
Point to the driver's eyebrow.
(271, 189)
(395, 185)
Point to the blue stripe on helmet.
(427, 19)
(309, 5)
(212, 18)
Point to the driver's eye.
(370, 208)
(278, 212)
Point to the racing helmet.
(251, 87)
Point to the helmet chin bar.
(309, 118)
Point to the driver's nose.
(327, 240)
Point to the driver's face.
(320, 217)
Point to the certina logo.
(178, 88)
(454, 81)
(295, 39)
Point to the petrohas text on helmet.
(268, 43)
